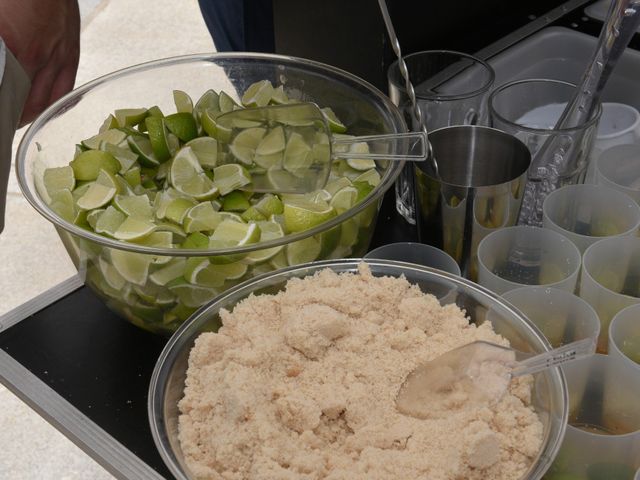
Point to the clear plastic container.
(624, 336)
(167, 383)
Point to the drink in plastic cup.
(513, 257)
(561, 316)
(619, 168)
(624, 336)
(602, 440)
(610, 279)
(451, 89)
(586, 213)
(418, 253)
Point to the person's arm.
(44, 36)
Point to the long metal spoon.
(623, 18)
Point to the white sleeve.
(14, 88)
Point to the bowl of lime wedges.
(152, 197)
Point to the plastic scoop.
(480, 371)
(290, 148)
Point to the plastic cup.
(513, 257)
(619, 168)
(602, 440)
(417, 253)
(610, 279)
(586, 213)
(624, 336)
(560, 315)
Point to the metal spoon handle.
(557, 356)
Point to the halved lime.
(183, 125)
(206, 150)
(134, 267)
(303, 251)
(200, 218)
(230, 177)
(87, 165)
(109, 221)
(258, 94)
(58, 178)
(134, 205)
(272, 142)
(302, 215)
(96, 196)
(113, 136)
(134, 229)
(187, 176)
(244, 144)
(183, 101)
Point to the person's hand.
(44, 36)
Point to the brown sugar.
(302, 385)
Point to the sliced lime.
(268, 231)
(203, 272)
(93, 216)
(182, 125)
(134, 229)
(303, 251)
(279, 260)
(96, 196)
(235, 202)
(208, 100)
(134, 205)
(142, 146)
(244, 144)
(87, 165)
(206, 150)
(111, 274)
(335, 125)
(269, 161)
(109, 221)
(113, 136)
(372, 177)
(230, 233)
(302, 215)
(252, 214)
(297, 154)
(159, 138)
(127, 117)
(279, 97)
(187, 176)
(134, 267)
(344, 199)
(258, 94)
(124, 155)
(183, 101)
(226, 103)
(230, 177)
(196, 240)
(269, 205)
(109, 123)
(334, 186)
(62, 204)
(200, 218)
(281, 180)
(360, 164)
(58, 178)
(172, 270)
(272, 142)
(177, 209)
(193, 295)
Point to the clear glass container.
(51, 139)
(549, 396)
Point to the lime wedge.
(62, 204)
(297, 154)
(125, 156)
(235, 202)
(258, 94)
(158, 138)
(183, 102)
(244, 145)
(252, 214)
(127, 117)
(272, 142)
(193, 295)
(113, 136)
(335, 125)
(111, 275)
(87, 165)
(303, 251)
(134, 205)
(279, 260)
(142, 146)
(278, 96)
(269, 205)
(96, 196)
(200, 218)
(58, 178)
(302, 215)
(344, 199)
(186, 176)
(109, 123)
(230, 234)
(177, 209)
(134, 267)
(206, 150)
(134, 229)
(226, 103)
(372, 177)
(269, 161)
(281, 180)
(268, 231)
(196, 240)
(182, 125)
(230, 177)
(109, 221)
(172, 270)
(208, 100)
(336, 185)
(93, 216)
(203, 272)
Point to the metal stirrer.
(417, 113)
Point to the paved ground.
(116, 34)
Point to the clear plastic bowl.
(167, 382)
(50, 142)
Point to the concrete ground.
(115, 34)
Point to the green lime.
(134, 205)
(127, 117)
(134, 229)
(273, 142)
(244, 144)
(113, 136)
(172, 270)
(226, 103)
(302, 215)
(279, 97)
(335, 125)
(109, 221)
(230, 233)
(58, 178)
(360, 164)
(268, 231)
(297, 154)
(252, 214)
(235, 202)
(196, 240)
(124, 155)
(177, 209)
(258, 94)
(193, 296)
(187, 176)
(96, 196)
(344, 199)
(62, 204)
(372, 177)
(134, 267)
(142, 146)
(87, 165)
(206, 150)
(269, 205)
(182, 101)
(158, 137)
(201, 217)
(182, 125)
(208, 100)
(303, 251)
(230, 177)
